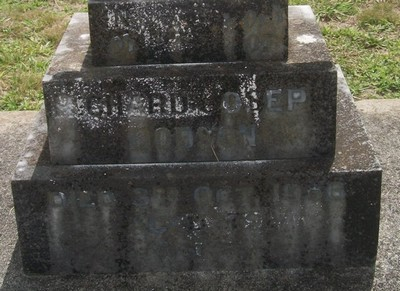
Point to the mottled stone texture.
(187, 31)
(268, 178)
(248, 215)
(191, 112)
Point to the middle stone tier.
(191, 112)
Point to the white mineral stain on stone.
(110, 17)
(47, 78)
(306, 39)
(254, 106)
(84, 36)
(248, 92)
(242, 87)
(65, 106)
(63, 49)
(22, 164)
(28, 155)
(31, 136)
(307, 12)
(74, 20)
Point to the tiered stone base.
(251, 216)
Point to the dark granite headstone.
(260, 163)
(126, 32)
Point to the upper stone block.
(126, 32)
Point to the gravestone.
(168, 165)
(126, 32)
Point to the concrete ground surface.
(382, 122)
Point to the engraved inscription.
(278, 100)
(272, 100)
(333, 193)
(137, 104)
(103, 106)
(58, 199)
(231, 102)
(254, 28)
(164, 105)
(281, 224)
(295, 96)
(123, 49)
(209, 32)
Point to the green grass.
(370, 59)
(29, 31)
(362, 35)
(380, 14)
(364, 39)
(327, 10)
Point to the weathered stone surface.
(247, 215)
(191, 112)
(129, 32)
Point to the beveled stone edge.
(349, 119)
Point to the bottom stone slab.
(209, 216)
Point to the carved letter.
(272, 100)
(295, 96)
